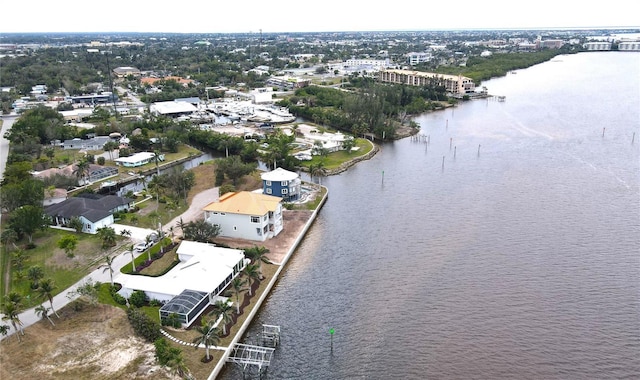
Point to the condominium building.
(454, 84)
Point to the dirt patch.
(95, 343)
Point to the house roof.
(84, 205)
(245, 202)
(279, 174)
(206, 267)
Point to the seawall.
(220, 366)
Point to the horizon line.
(337, 31)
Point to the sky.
(252, 16)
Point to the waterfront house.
(94, 211)
(281, 183)
(203, 272)
(138, 159)
(246, 215)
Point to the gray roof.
(86, 206)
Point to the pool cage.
(187, 305)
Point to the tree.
(69, 243)
(34, 274)
(87, 290)
(108, 236)
(208, 336)
(234, 168)
(27, 220)
(46, 291)
(200, 231)
(223, 310)
(147, 241)
(43, 312)
(125, 233)
(237, 286)
(157, 158)
(108, 266)
(9, 237)
(133, 258)
(82, 170)
(4, 330)
(11, 313)
(76, 224)
(318, 170)
(253, 274)
(110, 146)
(257, 255)
(348, 144)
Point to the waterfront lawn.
(335, 159)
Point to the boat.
(108, 184)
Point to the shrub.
(120, 300)
(138, 298)
(143, 325)
(165, 353)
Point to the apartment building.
(454, 84)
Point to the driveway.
(138, 234)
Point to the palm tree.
(181, 224)
(108, 236)
(147, 241)
(35, 273)
(252, 274)
(43, 312)
(46, 291)
(156, 158)
(237, 284)
(4, 330)
(110, 146)
(108, 266)
(209, 336)
(318, 170)
(133, 262)
(125, 233)
(82, 169)
(257, 255)
(224, 310)
(11, 313)
(178, 365)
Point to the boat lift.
(258, 356)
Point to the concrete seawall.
(219, 367)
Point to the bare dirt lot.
(96, 343)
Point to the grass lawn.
(335, 159)
(64, 271)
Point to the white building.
(246, 215)
(138, 159)
(203, 273)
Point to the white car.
(141, 247)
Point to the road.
(7, 123)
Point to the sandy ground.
(96, 343)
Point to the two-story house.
(281, 183)
(246, 215)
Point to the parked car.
(141, 247)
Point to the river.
(508, 247)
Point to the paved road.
(7, 122)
